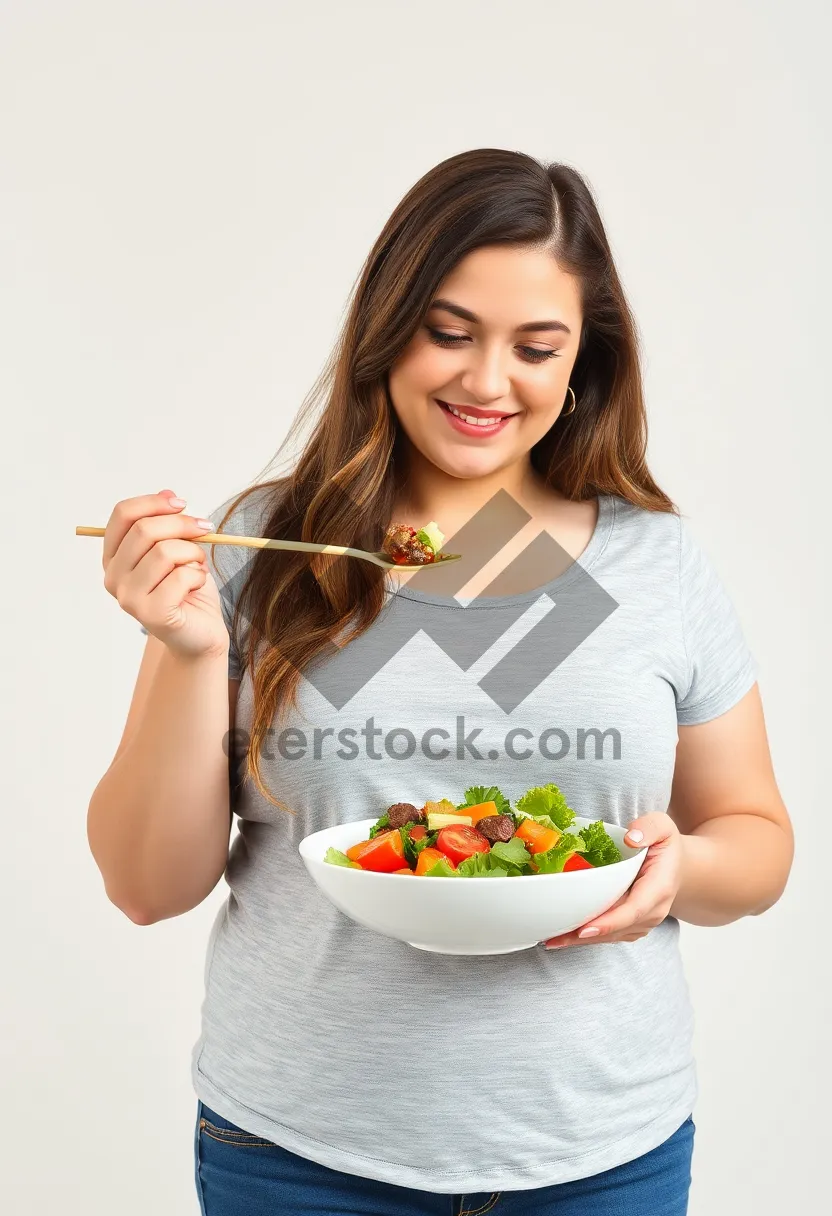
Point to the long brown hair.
(342, 488)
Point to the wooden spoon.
(303, 546)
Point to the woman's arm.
(724, 850)
(159, 819)
(737, 842)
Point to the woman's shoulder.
(642, 537)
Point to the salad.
(481, 837)
(408, 547)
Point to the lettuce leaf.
(547, 805)
(601, 849)
(553, 861)
(336, 858)
(505, 859)
(512, 853)
(380, 825)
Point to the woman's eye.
(533, 355)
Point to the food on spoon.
(407, 546)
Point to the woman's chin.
(458, 461)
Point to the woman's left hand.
(650, 898)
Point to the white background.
(188, 192)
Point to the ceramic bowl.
(469, 915)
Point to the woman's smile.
(473, 421)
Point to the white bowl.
(473, 915)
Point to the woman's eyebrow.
(465, 314)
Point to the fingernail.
(206, 524)
(589, 932)
(636, 835)
(177, 502)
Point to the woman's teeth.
(472, 420)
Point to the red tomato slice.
(576, 862)
(458, 841)
(418, 832)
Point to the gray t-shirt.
(462, 1074)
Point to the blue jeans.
(238, 1174)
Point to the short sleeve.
(229, 567)
(720, 668)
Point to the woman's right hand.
(160, 576)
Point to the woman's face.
(486, 363)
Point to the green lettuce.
(380, 825)
(336, 858)
(505, 859)
(547, 805)
(482, 865)
(553, 861)
(601, 849)
(512, 853)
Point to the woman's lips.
(472, 428)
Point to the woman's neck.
(428, 493)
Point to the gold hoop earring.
(563, 413)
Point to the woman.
(339, 1070)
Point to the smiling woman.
(489, 383)
(491, 294)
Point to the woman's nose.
(486, 375)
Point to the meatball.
(496, 827)
(396, 538)
(402, 546)
(401, 813)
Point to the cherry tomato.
(458, 841)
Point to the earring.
(574, 403)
